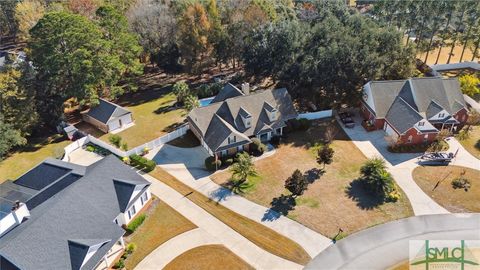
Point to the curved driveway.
(383, 246)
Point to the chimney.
(246, 88)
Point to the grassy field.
(334, 199)
(162, 223)
(260, 235)
(154, 114)
(457, 52)
(437, 183)
(35, 152)
(208, 257)
(469, 143)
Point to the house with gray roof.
(228, 124)
(60, 215)
(108, 116)
(413, 111)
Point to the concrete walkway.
(187, 166)
(212, 231)
(174, 247)
(373, 144)
(463, 158)
(386, 245)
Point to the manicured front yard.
(154, 114)
(208, 257)
(258, 234)
(332, 201)
(162, 223)
(35, 152)
(470, 143)
(437, 183)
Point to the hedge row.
(134, 224)
(142, 163)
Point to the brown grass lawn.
(208, 257)
(327, 205)
(457, 52)
(35, 152)
(260, 235)
(469, 143)
(162, 223)
(154, 114)
(454, 200)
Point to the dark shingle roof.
(402, 116)
(228, 91)
(216, 121)
(384, 93)
(106, 110)
(84, 210)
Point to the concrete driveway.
(383, 246)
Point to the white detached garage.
(108, 116)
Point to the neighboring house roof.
(228, 91)
(78, 217)
(217, 121)
(402, 116)
(425, 96)
(106, 110)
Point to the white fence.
(74, 146)
(137, 150)
(315, 115)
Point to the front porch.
(112, 255)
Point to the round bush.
(211, 164)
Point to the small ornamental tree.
(376, 177)
(297, 183)
(191, 102)
(325, 155)
(181, 90)
(115, 140)
(243, 167)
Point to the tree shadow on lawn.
(143, 96)
(365, 199)
(229, 188)
(166, 108)
(279, 206)
(313, 174)
(173, 127)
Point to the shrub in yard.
(126, 160)
(181, 90)
(130, 248)
(463, 135)
(145, 151)
(297, 183)
(393, 196)
(142, 163)
(191, 102)
(134, 224)
(304, 124)
(228, 161)
(115, 140)
(211, 164)
(376, 177)
(257, 147)
(325, 155)
(90, 148)
(150, 165)
(461, 183)
(120, 264)
(243, 167)
(124, 146)
(275, 140)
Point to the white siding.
(113, 124)
(126, 119)
(138, 207)
(437, 116)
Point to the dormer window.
(232, 139)
(246, 118)
(441, 115)
(273, 115)
(421, 124)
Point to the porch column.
(281, 131)
(106, 262)
(122, 242)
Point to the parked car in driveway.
(347, 120)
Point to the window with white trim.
(144, 198)
(132, 211)
(421, 124)
(410, 138)
(440, 115)
(232, 139)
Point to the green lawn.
(35, 152)
(154, 114)
(469, 143)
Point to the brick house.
(413, 111)
(228, 124)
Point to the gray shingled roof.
(106, 110)
(216, 121)
(402, 116)
(82, 212)
(228, 91)
(384, 93)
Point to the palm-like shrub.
(181, 90)
(243, 167)
(191, 102)
(376, 177)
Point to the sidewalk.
(212, 229)
(311, 241)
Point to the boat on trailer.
(437, 157)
